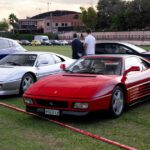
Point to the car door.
(137, 82)
(46, 65)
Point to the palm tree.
(12, 20)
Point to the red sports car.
(92, 83)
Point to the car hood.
(72, 86)
(8, 73)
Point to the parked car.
(55, 42)
(8, 46)
(25, 42)
(92, 83)
(110, 47)
(63, 42)
(19, 70)
(35, 42)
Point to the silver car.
(9, 46)
(19, 70)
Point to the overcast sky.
(24, 8)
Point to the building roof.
(54, 13)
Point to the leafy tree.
(4, 26)
(89, 17)
(107, 11)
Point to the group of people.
(80, 49)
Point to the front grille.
(51, 103)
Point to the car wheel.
(117, 102)
(26, 82)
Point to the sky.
(29, 8)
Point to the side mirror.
(63, 66)
(133, 68)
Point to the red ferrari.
(92, 83)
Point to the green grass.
(22, 132)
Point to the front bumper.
(62, 112)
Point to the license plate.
(52, 112)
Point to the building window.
(47, 23)
(66, 24)
(56, 24)
(62, 24)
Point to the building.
(54, 21)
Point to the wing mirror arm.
(133, 68)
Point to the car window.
(19, 60)
(132, 61)
(145, 65)
(47, 59)
(120, 49)
(4, 44)
(100, 48)
(58, 59)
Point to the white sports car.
(19, 70)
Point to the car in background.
(55, 42)
(25, 42)
(19, 70)
(63, 42)
(92, 83)
(35, 42)
(114, 47)
(8, 46)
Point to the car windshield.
(104, 66)
(19, 60)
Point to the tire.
(26, 82)
(117, 102)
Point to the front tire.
(26, 82)
(117, 102)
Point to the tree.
(107, 13)
(13, 20)
(4, 26)
(89, 17)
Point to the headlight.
(81, 105)
(28, 100)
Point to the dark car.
(8, 46)
(121, 48)
(25, 42)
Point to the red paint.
(73, 128)
(94, 89)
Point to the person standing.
(89, 43)
(77, 47)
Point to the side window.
(132, 61)
(100, 48)
(4, 44)
(46, 59)
(122, 50)
(144, 64)
(58, 59)
(110, 48)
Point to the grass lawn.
(22, 132)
